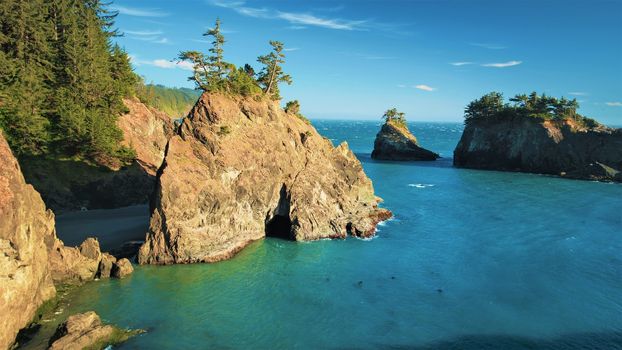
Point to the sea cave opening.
(280, 226)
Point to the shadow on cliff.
(574, 341)
(68, 185)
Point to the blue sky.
(355, 59)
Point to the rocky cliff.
(548, 147)
(241, 169)
(395, 142)
(26, 228)
(71, 185)
(32, 258)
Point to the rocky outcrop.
(547, 147)
(241, 169)
(84, 263)
(122, 268)
(86, 331)
(145, 130)
(395, 142)
(26, 229)
(67, 185)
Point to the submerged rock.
(241, 169)
(395, 142)
(86, 331)
(525, 144)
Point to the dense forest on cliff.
(62, 80)
(491, 107)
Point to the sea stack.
(555, 140)
(395, 142)
(240, 169)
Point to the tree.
(217, 63)
(249, 70)
(393, 115)
(272, 73)
(292, 107)
(486, 106)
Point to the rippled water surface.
(472, 260)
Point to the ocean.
(472, 260)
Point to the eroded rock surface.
(241, 169)
(395, 142)
(26, 229)
(550, 147)
(86, 331)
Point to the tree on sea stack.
(393, 115)
(272, 73)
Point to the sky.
(429, 59)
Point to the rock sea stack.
(555, 147)
(395, 142)
(241, 169)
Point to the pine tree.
(272, 73)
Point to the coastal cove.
(472, 259)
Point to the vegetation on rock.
(396, 117)
(212, 73)
(176, 102)
(491, 107)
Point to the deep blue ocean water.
(472, 260)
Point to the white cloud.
(162, 63)
(458, 64)
(142, 32)
(614, 104)
(291, 49)
(424, 87)
(132, 11)
(401, 85)
(299, 20)
(488, 46)
(577, 93)
(502, 64)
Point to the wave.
(420, 185)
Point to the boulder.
(26, 232)
(106, 265)
(86, 331)
(395, 142)
(240, 169)
(561, 148)
(122, 268)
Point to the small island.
(395, 142)
(538, 134)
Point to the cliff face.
(70, 185)
(395, 142)
(242, 169)
(26, 230)
(559, 148)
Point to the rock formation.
(561, 148)
(31, 257)
(71, 185)
(86, 331)
(241, 169)
(395, 142)
(26, 227)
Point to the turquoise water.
(472, 260)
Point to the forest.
(491, 107)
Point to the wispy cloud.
(577, 93)
(502, 64)
(295, 18)
(489, 46)
(458, 64)
(401, 85)
(614, 104)
(162, 63)
(143, 32)
(424, 87)
(289, 49)
(138, 12)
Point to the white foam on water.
(420, 185)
